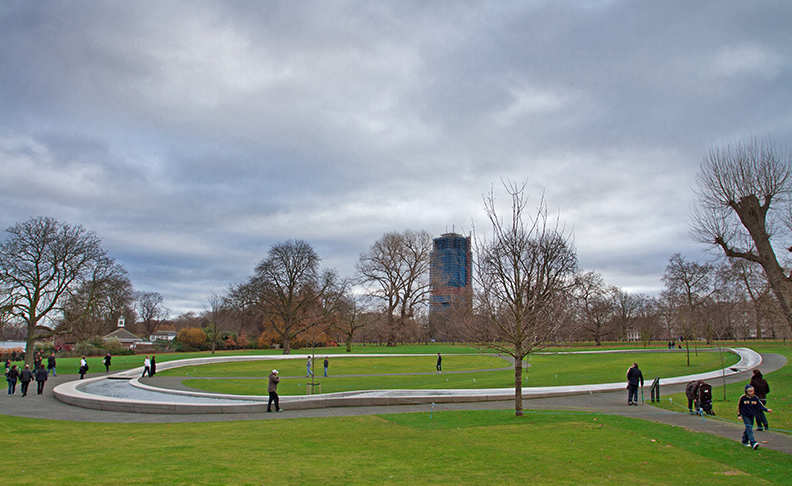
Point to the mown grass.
(454, 447)
(359, 373)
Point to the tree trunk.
(518, 398)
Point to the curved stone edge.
(69, 392)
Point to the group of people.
(149, 366)
(309, 372)
(24, 376)
(750, 408)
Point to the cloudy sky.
(191, 136)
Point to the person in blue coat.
(748, 408)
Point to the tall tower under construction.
(451, 276)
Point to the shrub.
(191, 337)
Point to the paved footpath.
(47, 406)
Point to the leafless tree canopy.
(42, 262)
(151, 311)
(291, 291)
(744, 208)
(395, 271)
(522, 281)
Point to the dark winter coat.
(26, 376)
(749, 407)
(634, 376)
(41, 374)
(760, 386)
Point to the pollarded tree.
(744, 204)
(523, 278)
(42, 262)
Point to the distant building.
(450, 272)
(126, 338)
(163, 336)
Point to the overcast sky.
(191, 136)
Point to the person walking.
(761, 389)
(51, 364)
(25, 378)
(83, 367)
(634, 377)
(439, 363)
(272, 389)
(308, 371)
(153, 369)
(748, 408)
(326, 365)
(11, 378)
(146, 367)
(41, 377)
(107, 361)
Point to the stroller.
(699, 392)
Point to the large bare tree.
(42, 262)
(292, 292)
(522, 281)
(395, 271)
(744, 207)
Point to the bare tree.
(216, 314)
(523, 277)
(151, 311)
(395, 270)
(94, 309)
(594, 303)
(42, 262)
(351, 318)
(291, 291)
(691, 284)
(744, 204)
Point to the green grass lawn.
(455, 447)
(448, 447)
(372, 373)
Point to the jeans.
(748, 437)
(39, 387)
(11, 387)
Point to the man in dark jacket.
(25, 378)
(272, 389)
(634, 377)
(51, 365)
(41, 377)
(749, 407)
